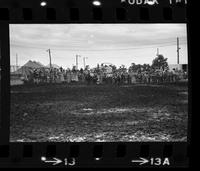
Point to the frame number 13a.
(159, 161)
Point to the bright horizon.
(101, 43)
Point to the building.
(180, 67)
(16, 80)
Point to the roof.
(33, 64)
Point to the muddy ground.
(99, 113)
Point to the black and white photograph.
(98, 82)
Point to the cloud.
(77, 35)
(65, 40)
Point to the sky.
(99, 43)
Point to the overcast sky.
(100, 43)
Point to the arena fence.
(29, 75)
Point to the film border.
(108, 154)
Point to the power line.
(117, 49)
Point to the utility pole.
(50, 65)
(157, 51)
(77, 61)
(178, 49)
(84, 64)
(16, 61)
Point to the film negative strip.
(95, 83)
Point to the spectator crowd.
(104, 74)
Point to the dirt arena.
(100, 113)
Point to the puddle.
(56, 137)
(134, 122)
(53, 138)
(160, 114)
(89, 111)
(76, 139)
(184, 93)
(100, 135)
(99, 140)
(138, 137)
(20, 140)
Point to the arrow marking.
(55, 161)
(141, 161)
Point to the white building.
(180, 67)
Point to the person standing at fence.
(68, 76)
(173, 75)
(122, 78)
(100, 77)
(133, 77)
(148, 77)
(118, 78)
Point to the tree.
(97, 69)
(133, 68)
(146, 67)
(114, 68)
(87, 67)
(139, 68)
(74, 68)
(160, 63)
(122, 68)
